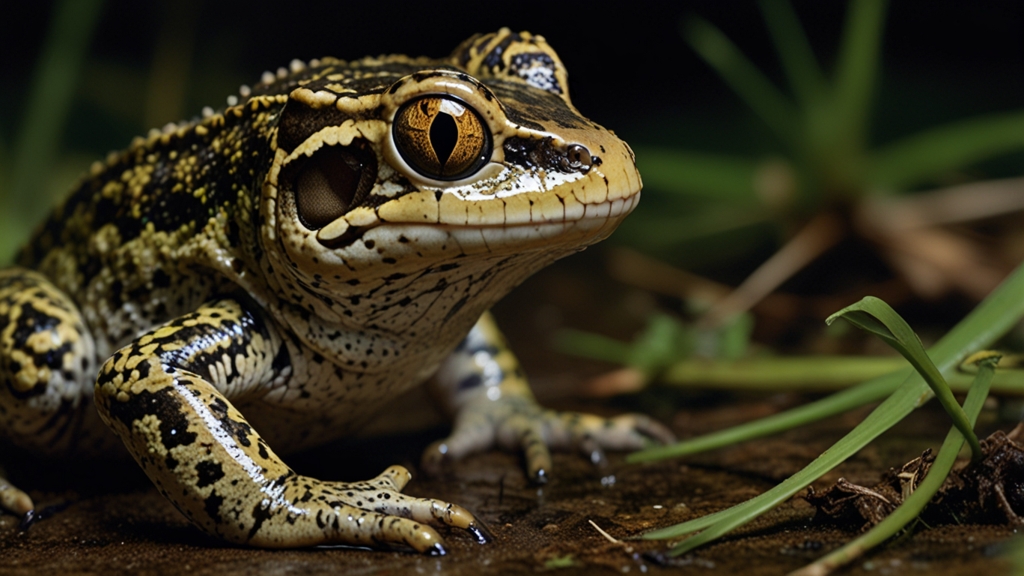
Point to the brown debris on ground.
(852, 505)
(989, 491)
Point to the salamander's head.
(392, 167)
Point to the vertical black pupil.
(444, 135)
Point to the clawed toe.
(14, 500)
(480, 532)
(535, 432)
(421, 512)
(653, 429)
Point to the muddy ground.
(123, 525)
(117, 523)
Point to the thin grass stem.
(798, 61)
(745, 79)
(877, 317)
(916, 502)
(992, 318)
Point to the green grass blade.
(892, 410)
(798, 61)
(774, 373)
(593, 346)
(1013, 550)
(917, 158)
(916, 502)
(658, 232)
(837, 403)
(857, 67)
(720, 178)
(877, 317)
(48, 104)
(979, 329)
(809, 374)
(992, 318)
(745, 79)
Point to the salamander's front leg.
(165, 396)
(488, 391)
(47, 363)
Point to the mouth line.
(597, 212)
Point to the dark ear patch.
(537, 69)
(331, 182)
(516, 56)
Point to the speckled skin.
(290, 259)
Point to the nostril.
(579, 156)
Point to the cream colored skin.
(237, 294)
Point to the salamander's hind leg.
(47, 367)
(166, 396)
(487, 390)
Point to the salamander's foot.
(12, 499)
(376, 513)
(516, 423)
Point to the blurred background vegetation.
(879, 145)
(797, 155)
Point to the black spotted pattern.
(208, 472)
(166, 406)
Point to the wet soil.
(116, 522)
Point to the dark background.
(630, 70)
(629, 67)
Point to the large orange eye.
(441, 138)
